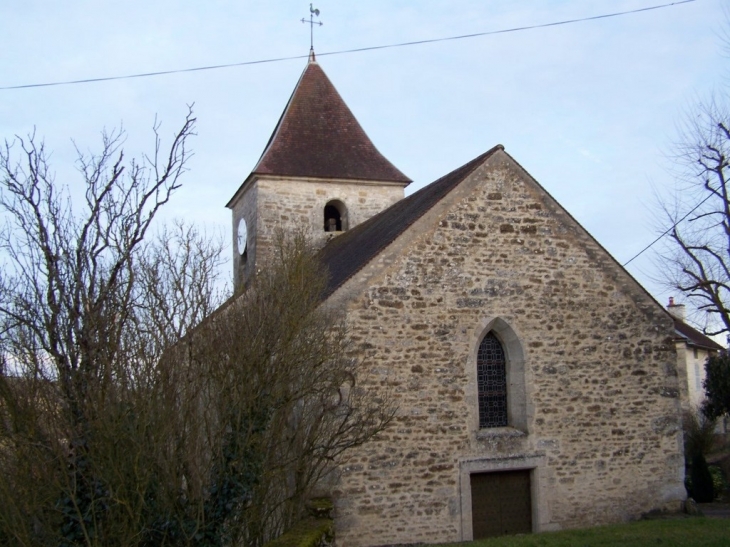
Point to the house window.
(491, 383)
(698, 377)
(335, 216)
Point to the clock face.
(242, 236)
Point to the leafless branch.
(696, 259)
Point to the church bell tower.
(319, 172)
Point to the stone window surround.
(533, 462)
(517, 411)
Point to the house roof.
(318, 136)
(348, 253)
(693, 337)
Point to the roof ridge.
(281, 117)
(697, 338)
(376, 233)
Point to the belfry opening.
(335, 216)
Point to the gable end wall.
(600, 429)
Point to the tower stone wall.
(294, 204)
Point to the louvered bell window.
(492, 383)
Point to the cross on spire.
(312, 13)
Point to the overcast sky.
(590, 109)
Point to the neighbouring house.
(536, 380)
(693, 350)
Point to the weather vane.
(312, 13)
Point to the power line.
(672, 227)
(355, 50)
(515, 29)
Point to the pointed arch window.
(492, 383)
(335, 216)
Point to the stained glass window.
(492, 383)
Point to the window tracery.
(492, 383)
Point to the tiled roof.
(318, 136)
(348, 253)
(694, 337)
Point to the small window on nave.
(335, 216)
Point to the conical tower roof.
(318, 136)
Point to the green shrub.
(702, 487)
(719, 483)
(307, 533)
(699, 433)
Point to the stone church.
(535, 379)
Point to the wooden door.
(501, 503)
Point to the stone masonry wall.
(594, 355)
(293, 204)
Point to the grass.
(686, 532)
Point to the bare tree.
(73, 358)
(697, 259)
(129, 413)
(280, 383)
